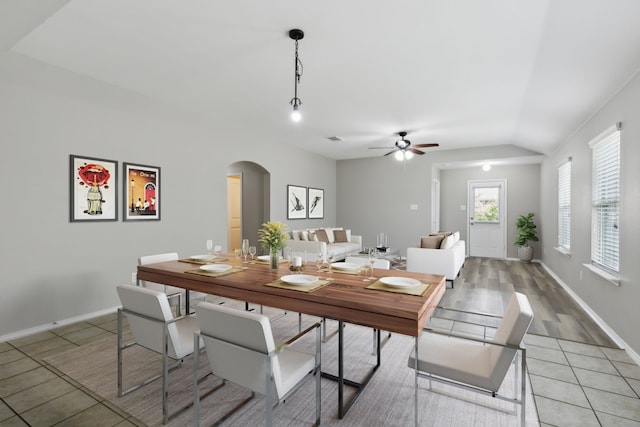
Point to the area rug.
(388, 399)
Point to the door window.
(486, 204)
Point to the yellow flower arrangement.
(273, 235)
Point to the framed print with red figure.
(93, 190)
(141, 189)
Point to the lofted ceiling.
(461, 73)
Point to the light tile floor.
(573, 384)
(582, 385)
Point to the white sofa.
(310, 241)
(448, 259)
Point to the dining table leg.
(343, 407)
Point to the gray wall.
(54, 270)
(375, 194)
(617, 306)
(523, 196)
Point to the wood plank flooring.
(485, 285)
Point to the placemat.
(355, 271)
(196, 261)
(301, 288)
(215, 274)
(418, 290)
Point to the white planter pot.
(525, 253)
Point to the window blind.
(564, 206)
(605, 201)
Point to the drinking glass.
(372, 260)
(238, 254)
(330, 261)
(319, 261)
(252, 252)
(217, 250)
(209, 246)
(245, 249)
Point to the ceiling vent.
(334, 138)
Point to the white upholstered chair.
(176, 295)
(153, 326)
(241, 349)
(481, 363)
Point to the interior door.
(487, 219)
(234, 212)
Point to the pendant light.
(296, 115)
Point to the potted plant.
(526, 232)
(274, 237)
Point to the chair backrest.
(238, 343)
(153, 304)
(380, 263)
(513, 327)
(152, 259)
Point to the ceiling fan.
(404, 149)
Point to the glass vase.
(274, 260)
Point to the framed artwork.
(316, 203)
(93, 190)
(141, 189)
(296, 202)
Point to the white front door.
(487, 218)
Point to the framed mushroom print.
(141, 192)
(316, 203)
(296, 202)
(93, 189)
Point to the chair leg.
(415, 385)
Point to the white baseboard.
(612, 334)
(47, 326)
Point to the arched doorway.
(248, 202)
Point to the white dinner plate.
(215, 268)
(400, 282)
(202, 257)
(345, 266)
(299, 279)
(266, 258)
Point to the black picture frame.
(296, 202)
(315, 203)
(93, 189)
(141, 192)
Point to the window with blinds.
(605, 200)
(564, 206)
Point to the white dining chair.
(153, 326)
(176, 295)
(240, 348)
(476, 363)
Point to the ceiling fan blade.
(413, 150)
(392, 151)
(426, 145)
(380, 148)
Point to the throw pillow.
(447, 242)
(304, 235)
(431, 242)
(340, 236)
(321, 235)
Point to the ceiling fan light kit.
(296, 35)
(403, 149)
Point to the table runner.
(418, 290)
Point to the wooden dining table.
(345, 299)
